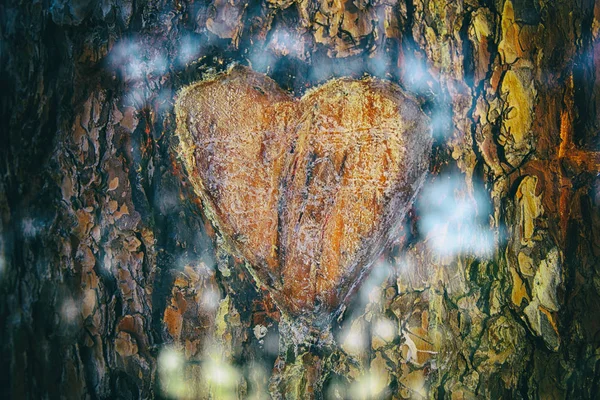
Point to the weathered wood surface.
(308, 192)
(110, 284)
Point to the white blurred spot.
(405, 263)
(136, 61)
(30, 227)
(258, 378)
(323, 70)
(221, 374)
(210, 299)
(378, 65)
(354, 341)
(170, 360)
(271, 344)
(261, 60)
(441, 122)
(158, 64)
(190, 49)
(69, 311)
(371, 289)
(222, 377)
(171, 365)
(125, 57)
(369, 386)
(138, 96)
(414, 73)
(385, 329)
(453, 222)
(336, 391)
(163, 99)
(286, 43)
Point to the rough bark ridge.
(111, 280)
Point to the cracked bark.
(106, 258)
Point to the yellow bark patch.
(530, 208)
(519, 290)
(519, 98)
(508, 47)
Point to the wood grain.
(309, 191)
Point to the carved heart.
(308, 191)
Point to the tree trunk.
(113, 283)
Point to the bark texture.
(113, 283)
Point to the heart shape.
(307, 191)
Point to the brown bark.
(113, 283)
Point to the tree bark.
(113, 283)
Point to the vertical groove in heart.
(308, 191)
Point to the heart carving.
(307, 191)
